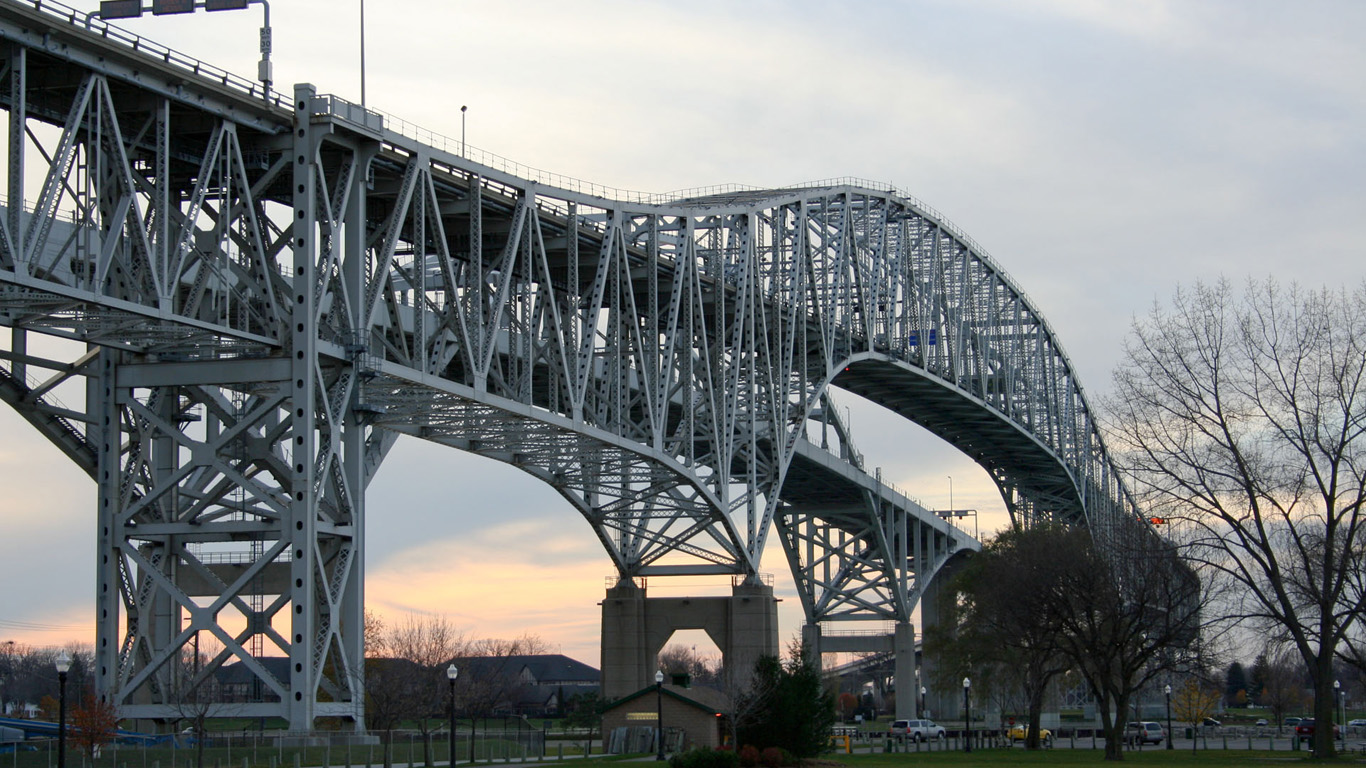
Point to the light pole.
(362, 77)
(63, 664)
(451, 674)
(659, 713)
(1341, 710)
(1168, 691)
(463, 108)
(967, 716)
(922, 701)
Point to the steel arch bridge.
(255, 295)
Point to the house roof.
(712, 708)
(238, 672)
(545, 669)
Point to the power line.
(33, 626)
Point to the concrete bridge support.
(901, 644)
(937, 705)
(636, 627)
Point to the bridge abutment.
(636, 627)
(900, 644)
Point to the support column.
(361, 452)
(624, 666)
(930, 596)
(811, 641)
(105, 436)
(753, 627)
(303, 490)
(907, 691)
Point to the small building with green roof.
(692, 717)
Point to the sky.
(1104, 152)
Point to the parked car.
(1211, 722)
(1260, 721)
(1144, 732)
(915, 730)
(1304, 730)
(1021, 732)
(1292, 721)
(1357, 724)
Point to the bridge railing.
(88, 20)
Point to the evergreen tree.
(792, 708)
(1234, 681)
(1258, 679)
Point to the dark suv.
(1304, 730)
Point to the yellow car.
(1019, 732)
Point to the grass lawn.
(1148, 757)
(995, 758)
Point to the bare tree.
(677, 659)
(405, 674)
(1126, 610)
(193, 691)
(490, 678)
(1001, 591)
(1283, 684)
(1243, 421)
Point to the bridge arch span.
(270, 289)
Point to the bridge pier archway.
(635, 628)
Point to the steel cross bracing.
(260, 297)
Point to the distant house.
(237, 682)
(530, 685)
(511, 685)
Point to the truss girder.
(272, 292)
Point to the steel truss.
(265, 295)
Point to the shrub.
(749, 756)
(705, 758)
(775, 757)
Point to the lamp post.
(967, 716)
(1168, 690)
(922, 701)
(659, 713)
(1340, 709)
(463, 109)
(63, 664)
(451, 674)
